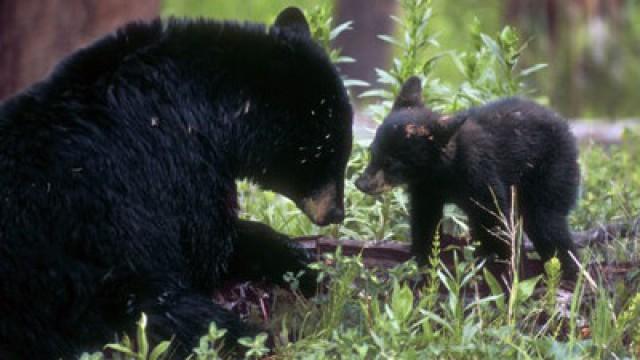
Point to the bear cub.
(473, 159)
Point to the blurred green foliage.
(610, 183)
(592, 48)
(263, 11)
(593, 69)
(452, 24)
(450, 20)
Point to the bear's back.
(515, 113)
(517, 135)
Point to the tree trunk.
(36, 34)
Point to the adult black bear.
(472, 159)
(117, 178)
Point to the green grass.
(610, 184)
(387, 316)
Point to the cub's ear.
(448, 126)
(293, 19)
(414, 130)
(410, 94)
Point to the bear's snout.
(363, 183)
(324, 207)
(335, 216)
(372, 184)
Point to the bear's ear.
(410, 94)
(293, 19)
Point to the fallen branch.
(606, 233)
(388, 253)
(242, 296)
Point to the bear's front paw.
(304, 277)
(308, 283)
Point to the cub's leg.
(425, 214)
(486, 212)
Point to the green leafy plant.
(321, 22)
(553, 273)
(138, 350)
(210, 344)
(413, 45)
(255, 347)
(491, 70)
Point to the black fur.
(472, 159)
(117, 179)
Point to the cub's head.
(410, 144)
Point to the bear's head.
(411, 144)
(310, 130)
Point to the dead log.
(600, 235)
(248, 298)
(387, 253)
